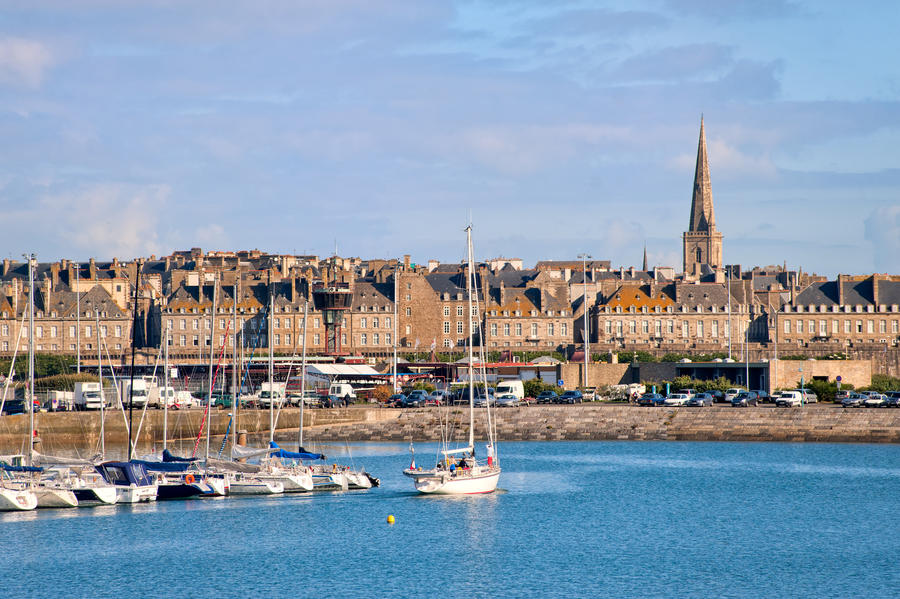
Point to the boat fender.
(189, 479)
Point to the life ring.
(189, 479)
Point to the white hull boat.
(17, 500)
(90, 493)
(329, 481)
(291, 482)
(136, 494)
(255, 486)
(358, 480)
(55, 497)
(481, 479)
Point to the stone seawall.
(824, 423)
(817, 423)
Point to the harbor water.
(571, 519)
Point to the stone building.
(702, 243)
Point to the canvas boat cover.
(294, 455)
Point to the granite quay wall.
(819, 423)
(66, 430)
(583, 422)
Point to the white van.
(343, 390)
(516, 388)
(87, 396)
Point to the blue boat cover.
(11, 468)
(294, 455)
(168, 456)
(163, 466)
(125, 473)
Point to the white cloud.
(211, 236)
(727, 161)
(23, 62)
(883, 231)
(106, 220)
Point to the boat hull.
(292, 483)
(55, 498)
(255, 487)
(442, 482)
(17, 500)
(101, 495)
(136, 494)
(330, 482)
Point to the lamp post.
(584, 258)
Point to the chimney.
(406, 260)
(5, 266)
(875, 291)
(622, 273)
(840, 289)
(502, 293)
(631, 272)
(54, 274)
(93, 269)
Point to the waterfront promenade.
(814, 423)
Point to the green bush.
(636, 356)
(824, 390)
(883, 383)
(534, 387)
(44, 365)
(62, 382)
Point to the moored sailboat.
(459, 472)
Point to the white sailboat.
(459, 472)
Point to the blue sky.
(562, 127)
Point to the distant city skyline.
(380, 126)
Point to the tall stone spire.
(702, 216)
(702, 243)
(645, 258)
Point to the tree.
(381, 393)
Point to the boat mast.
(303, 375)
(102, 398)
(209, 399)
(469, 281)
(235, 392)
(77, 320)
(134, 322)
(271, 364)
(31, 359)
(166, 391)
(396, 293)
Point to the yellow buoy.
(390, 519)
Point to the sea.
(570, 519)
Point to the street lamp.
(584, 258)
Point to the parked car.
(677, 399)
(893, 399)
(438, 397)
(875, 400)
(482, 401)
(808, 396)
(651, 399)
(853, 400)
(508, 400)
(689, 392)
(335, 401)
(415, 400)
(841, 395)
(395, 401)
(571, 397)
(789, 399)
(718, 396)
(745, 399)
(731, 394)
(763, 396)
(700, 400)
(547, 397)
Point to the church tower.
(702, 243)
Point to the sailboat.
(132, 481)
(459, 472)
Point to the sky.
(382, 127)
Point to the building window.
(182, 324)
(657, 326)
(518, 329)
(895, 325)
(446, 343)
(882, 327)
(375, 322)
(607, 327)
(618, 328)
(799, 326)
(685, 328)
(54, 331)
(823, 328)
(407, 297)
(195, 325)
(714, 332)
(362, 339)
(38, 331)
(847, 326)
(362, 322)
(87, 331)
(387, 338)
(834, 327)
(196, 340)
(564, 329)
(506, 329)
(493, 329)
(550, 329)
(408, 311)
(645, 327)
(859, 326)
(343, 338)
(534, 329)
(71, 331)
(670, 327)
(407, 329)
(459, 328)
(870, 327)
(632, 326)
(446, 311)
(459, 310)
(375, 339)
(182, 341)
(316, 322)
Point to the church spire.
(702, 216)
(645, 258)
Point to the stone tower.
(702, 243)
